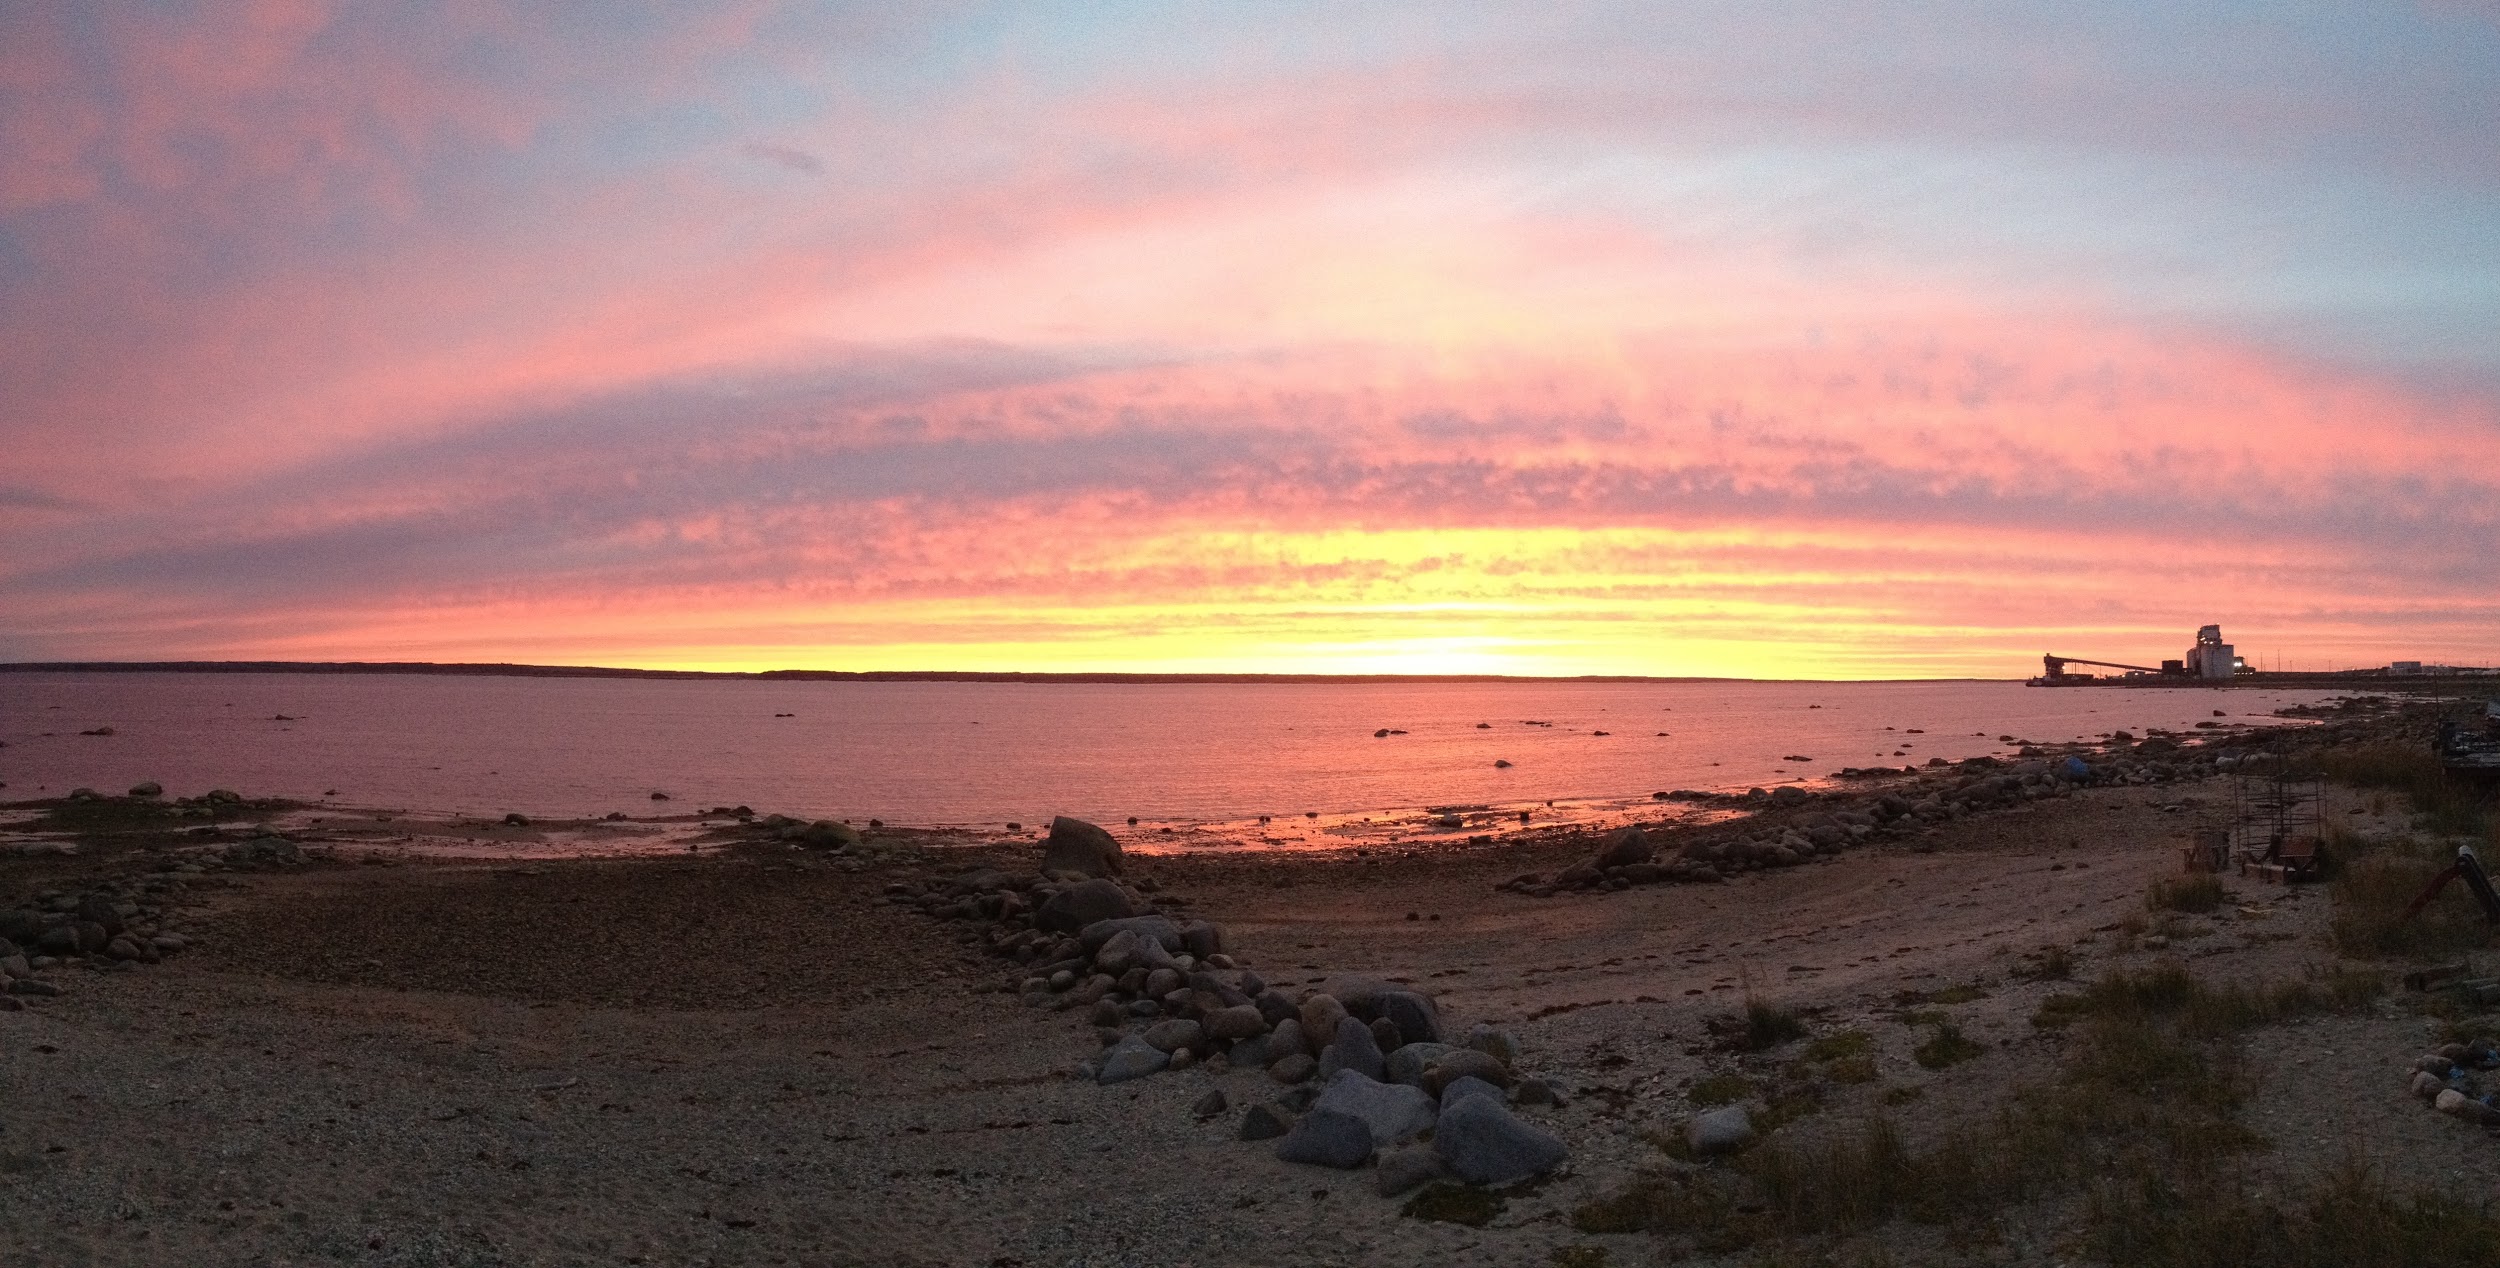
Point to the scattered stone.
(1409, 1167)
(1131, 1058)
(1461, 1063)
(1158, 929)
(825, 834)
(1320, 1015)
(1392, 1111)
(1241, 1021)
(1407, 1064)
(1484, 1143)
(1535, 1092)
(1466, 1086)
(1720, 1130)
(33, 986)
(1293, 1067)
(1265, 1122)
(2426, 1086)
(1497, 1044)
(1175, 1034)
(1327, 1138)
(1084, 903)
(1080, 847)
(1353, 1049)
(1288, 1037)
(1385, 1034)
(1626, 848)
(149, 789)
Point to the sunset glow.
(1795, 341)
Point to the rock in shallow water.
(1484, 1143)
(1328, 1138)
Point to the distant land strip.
(500, 670)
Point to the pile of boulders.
(1792, 825)
(109, 926)
(2445, 1078)
(1363, 1067)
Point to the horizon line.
(510, 669)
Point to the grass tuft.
(1453, 1204)
(2195, 893)
(1948, 1046)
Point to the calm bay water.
(985, 753)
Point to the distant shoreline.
(503, 670)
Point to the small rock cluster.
(1363, 1067)
(2446, 1079)
(1792, 825)
(111, 926)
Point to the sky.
(1826, 340)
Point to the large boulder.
(1393, 1111)
(1082, 904)
(1411, 1011)
(1625, 848)
(1484, 1143)
(1353, 1050)
(1077, 846)
(1328, 1138)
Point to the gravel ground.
(744, 1059)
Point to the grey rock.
(1626, 848)
(2426, 1085)
(1385, 1035)
(1117, 956)
(1287, 1037)
(1161, 982)
(1406, 1065)
(1393, 1111)
(1202, 939)
(1275, 1007)
(1265, 1122)
(1159, 928)
(1327, 1138)
(1461, 1063)
(1460, 1089)
(149, 789)
(1409, 1167)
(1083, 904)
(1320, 1015)
(1353, 1049)
(1131, 1058)
(1494, 1043)
(33, 986)
(15, 966)
(1484, 1143)
(1250, 1054)
(1084, 848)
(1293, 1067)
(1537, 1092)
(1240, 1022)
(1107, 1013)
(21, 925)
(825, 834)
(1720, 1130)
(1412, 1011)
(1176, 1034)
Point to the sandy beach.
(758, 1053)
